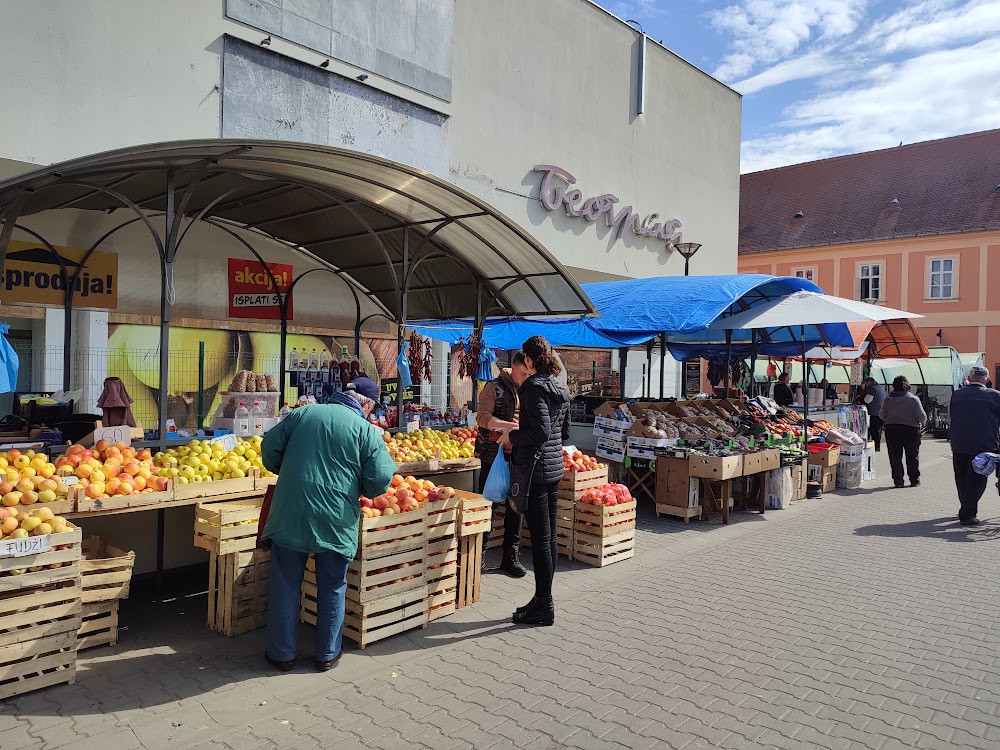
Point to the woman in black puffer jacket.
(543, 425)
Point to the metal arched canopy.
(419, 246)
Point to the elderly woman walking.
(904, 418)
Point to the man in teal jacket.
(327, 456)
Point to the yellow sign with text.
(33, 275)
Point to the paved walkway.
(867, 620)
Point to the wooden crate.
(370, 622)
(575, 483)
(82, 503)
(99, 626)
(476, 514)
(106, 571)
(442, 517)
(58, 507)
(227, 527)
(36, 567)
(442, 577)
(387, 535)
(604, 535)
(38, 632)
(495, 538)
(470, 567)
(237, 591)
(380, 577)
(222, 489)
(418, 467)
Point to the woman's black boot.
(541, 613)
(525, 608)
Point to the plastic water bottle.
(284, 412)
(313, 359)
(256, 419)
(241, 425)
(324, 359)
(293, 360)
(335, 378)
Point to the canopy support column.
(805, 386)
(754, 350)
(663, 360)
(166, 282)
(478, 333)
(649, 368)
(622, 364)
(729, 359)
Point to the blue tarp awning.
(633, 311)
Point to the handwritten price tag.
(70, 480)
(228, 442)
(32, 545)
(119, 434)
(413, 425)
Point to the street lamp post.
(687, 249)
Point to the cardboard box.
(770, 459)
(823, 456)
(851, 453)
(606, 421)
(610, 450)
(751, 463)
(868, 464)
(798, 474)
(825, 475)
(715, 467)
(674, 484)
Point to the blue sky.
(821, 78)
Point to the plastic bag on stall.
(403, 366)
(498, 481)
(8, 362)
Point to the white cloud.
(937, 94)
(934, 24)
(766, 31)
(636, 9)
(809, 65)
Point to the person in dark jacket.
(543, 426)
(782, 391)
(904, 417)
(498, 411)
(873, 398)
(974, 429)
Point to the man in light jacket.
(975, 426)
(327, 456)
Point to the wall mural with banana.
(133, 356)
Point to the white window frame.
(811, 270)
(881, 277)
(929, 288)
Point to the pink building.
(915, 227)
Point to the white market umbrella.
(808, 308)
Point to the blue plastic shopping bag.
(498, 481)
(403, 366)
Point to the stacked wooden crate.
(604, 534)
(475, 517)
(442, 555)
(572, 487)
(386, 582)
(106, 574)
(40, 612)
(237, 571)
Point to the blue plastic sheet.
(9, 362)
(486, 359)
(497, 484)
(403, 365)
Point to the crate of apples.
(18, 523)
(404, 494)
(107, 470)
(578, 461)
(607, 495)
(28, 478)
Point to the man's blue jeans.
(287, 569)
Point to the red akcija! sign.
(556, 192)
(251, 290)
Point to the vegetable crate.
(475, 514)
(565, 526)
(227, 527)
(604, 535)
(237, 591)
(575, 483)
(388, 535)
(38, 635)
(470, 567)
(61, 563)
(106, 573)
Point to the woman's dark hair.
(518, 359)
(784, 377)
(542, 356)
(900, 383)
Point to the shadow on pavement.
(947, 529)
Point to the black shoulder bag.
(520, 483)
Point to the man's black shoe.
(326, 666)
(971, 522)
(511, 563)
(281, 666)
(915, 484)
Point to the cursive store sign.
(557, 192)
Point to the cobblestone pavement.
(866, 619)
